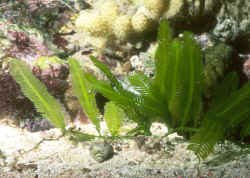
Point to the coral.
(140, 21)
(109, 10)
(98, 21)
(92, 23)
(174, 7)
(156, 7)
(119, 20)
(122, 27)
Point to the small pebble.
(101, 151)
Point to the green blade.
(84, 92)
(36, 91)
(113, 116)
(192, 80)
(107, 72)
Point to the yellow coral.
(98, 21)
(174, 8)
(122, 27)
(93, 23)
(98, 42)
(105, 19)
(140, 21)
(156, 7)
(109, 10)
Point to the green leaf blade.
(84, 92)
(192, 68)
(107, 72)
(163, 60)
(36, 91)
(113, 117)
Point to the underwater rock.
(36, 124)
(216, 57)
(246, 66)
(21, 42)
(101, 151)
(53, 72)
(71, 102)
(144, 62)
(158, 129)
(12, 101)
(149, 144)
(45, 15)
(233, 21)
(194, 15)
(217, 61)
(41, 6)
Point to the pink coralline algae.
(25, 47)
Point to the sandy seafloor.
(48, 154)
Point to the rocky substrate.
(46, 154)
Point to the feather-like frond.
(192, 81)
(126, 102)
(225, 89)
(179, 77)
(202, 143)
(113, 116)
(84, 92)
(162, 60)
(141, 83)
(226, 113)
(107, 72)
(36, 91)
